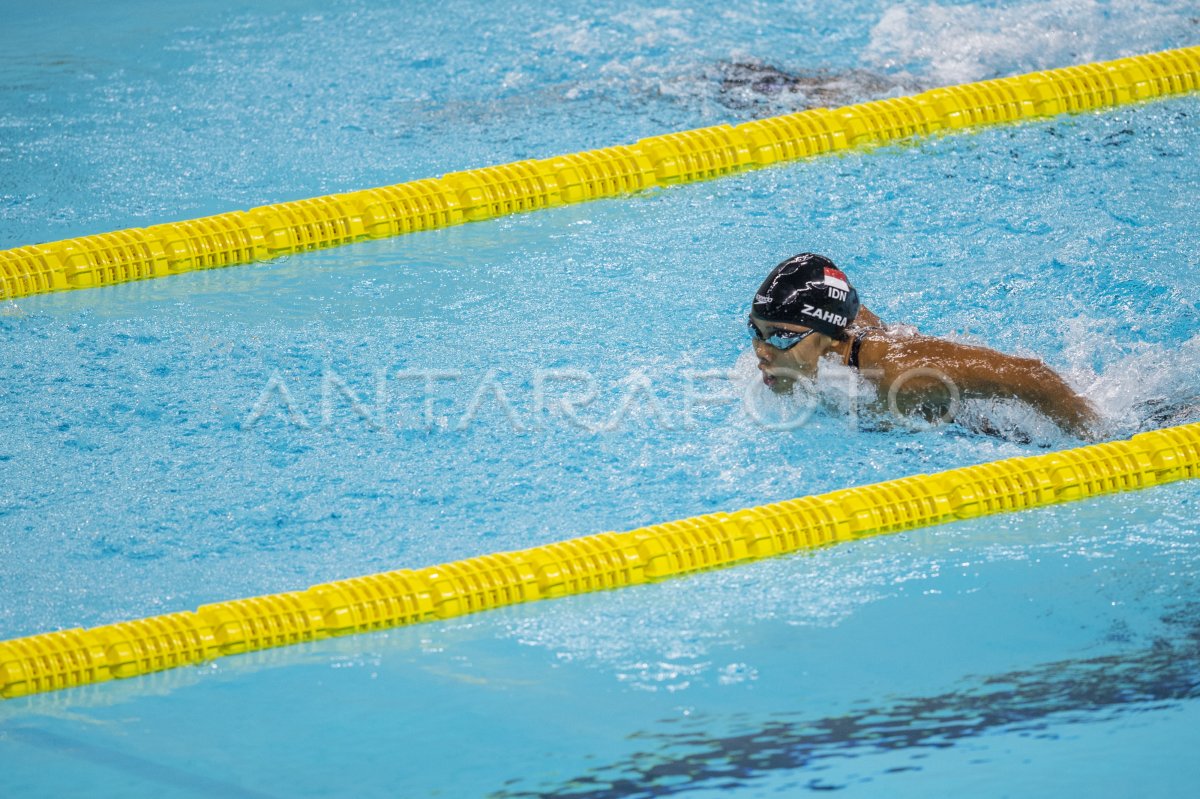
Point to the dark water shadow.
(1023, 702)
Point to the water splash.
(955, 44)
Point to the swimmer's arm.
(981, 372)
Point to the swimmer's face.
(780, 368)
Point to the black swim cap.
(808, 290)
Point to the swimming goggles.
(780, 339)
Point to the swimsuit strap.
(856, 345)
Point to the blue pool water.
(263, 428)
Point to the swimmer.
(807, 309)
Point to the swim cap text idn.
(808, 290)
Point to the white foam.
(955, 44)
(1149, 386)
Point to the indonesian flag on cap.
(835, 279)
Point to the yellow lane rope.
(269, 231)
(52, 661)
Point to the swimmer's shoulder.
(891, 347)
(866, 318)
